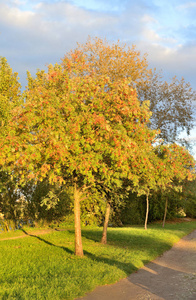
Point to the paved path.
(171, 277)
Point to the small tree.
(179, 166)
(113, 198)
(165, 169)
(148, 176)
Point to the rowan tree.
(77, 129)
(171, 105)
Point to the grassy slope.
(45, 267)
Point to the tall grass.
(45, 267)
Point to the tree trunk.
(78, 235)
(6, 225)
(147, 210)
(165, 214)
(105, 226)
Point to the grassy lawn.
(44, 267)
(17, 233)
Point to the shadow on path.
(172, 276)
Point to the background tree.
(45, 203)
(189, 198)
(114, 198)
(171, 105)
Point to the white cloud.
(177, 61)
(30, 39)
(34, 33)
(188, 6)
(14, 16)
(101, 5)
(19, 2)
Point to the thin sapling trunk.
(165, 213)
(147, 210)
(105, 226)
(78, 235)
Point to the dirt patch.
(180, 220)
(26, 234)
(176, 220)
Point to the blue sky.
(34, 33)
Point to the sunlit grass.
(19, 232)
(45, 267)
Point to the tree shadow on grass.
(140, 243)
(133, 242)
(49, 243)
(128, 268)
(125, 267)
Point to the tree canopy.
(80, 130)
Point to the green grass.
(15, 233)
(45, 267)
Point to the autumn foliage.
(78, 130)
